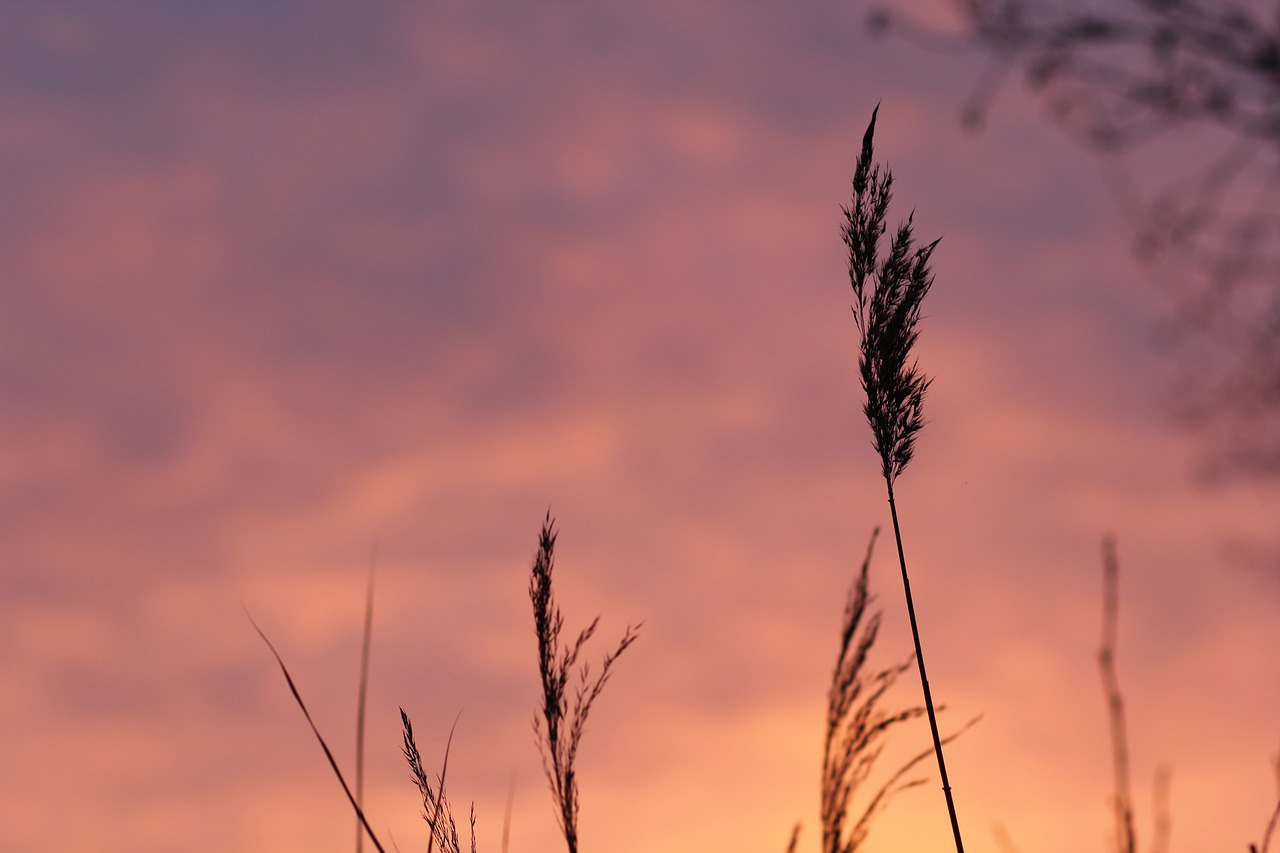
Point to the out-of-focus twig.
(1122, 804)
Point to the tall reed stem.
(888, 292)
(924, 678)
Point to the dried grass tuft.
(564, 722)
(436, 810)
(856, 725)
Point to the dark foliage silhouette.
(1202, 76)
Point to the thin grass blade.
(328, 753)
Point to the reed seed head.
(887, 296)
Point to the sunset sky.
(285, 284)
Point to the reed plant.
(565, 721)
(888, 289)
(436, 809)
(857, 726)
(888, 293)
(1124, 838)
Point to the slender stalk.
(1273, 822)
(924, 678)
(506, 815)
(363, 694)
(328, 753)
(1122, 802)
(888, 291)
(436, 810)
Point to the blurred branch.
(1160, 804)
(1122, 803)
(1122, 800)
(1003, 840)
(1121, 75)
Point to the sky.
(289, 289)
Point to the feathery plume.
(565, 723)
(887, 297)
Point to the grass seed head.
(887, 297)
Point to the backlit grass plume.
(857, 725)
(887, 296)
(436, 809)
(564, 721)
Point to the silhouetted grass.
(328, 753)
(362, 694)
(888, 293)
(1121, 801)
(565, 722)
(856, 723)
(1124, 833)
(436, 810)
(857, 726)
(1270, 831)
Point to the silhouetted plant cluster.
(856, 731)
(888, 293)
(857, 725)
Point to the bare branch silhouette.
(1202, 79)
(1121, 800)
